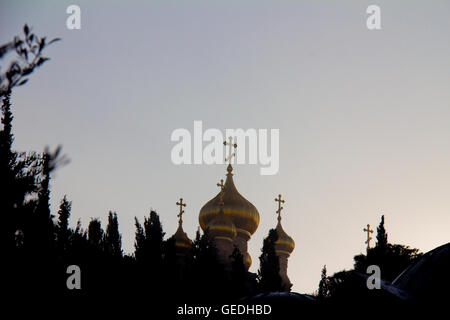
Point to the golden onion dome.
(242, 213)
(221, 227)
(285, 244)
(182, 243)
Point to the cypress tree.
(269, 266)
(7, 161)
(18, 180)
(207, 274)
(95, 234)
(6, 137)
(139, 240)
(324, 289)
(149, 240)
(113, 239)
(238, 275)
(44, 228)
(62, 227)
(382, 237)
(149, 253)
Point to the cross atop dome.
(369, 231)
(182, 242)
(279, 206)
(230, 218)
(180, 214)
(231, 154)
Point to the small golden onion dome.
(222, 228)
(285, 244)
(182, 243)
(242, 213)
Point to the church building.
(231, 220)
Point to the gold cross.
(231, 154)
(279, 206)
(368, 235)
(180, 214)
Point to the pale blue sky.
(363, 115)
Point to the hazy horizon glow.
(363, 115)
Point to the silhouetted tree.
(19, 174)
(149, 240)
(324, 289)
(172, 270)
(391, 258)
(346, 286)
(382, 237)
(113, 239)
(6, 137)
(8, 196)
(139, 239)
(207, 278)
(238, 275)
(78, 240)
(95, 234)
(44, 228)
(62, 226)
(269, 266)
(149, 246)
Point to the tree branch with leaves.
(28, 51)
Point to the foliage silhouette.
(324, 288)
(391, 258)
(382, 237)
(269, 270)
(113, 238)
(28, 51)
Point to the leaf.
(15, 67)
(17, 41)
(41, 60)
(24, 53)
(5, 48)
(41, 44)
(54, 40)
(22, 82)
(27, 71)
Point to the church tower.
(233, 215)
(283, 248)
